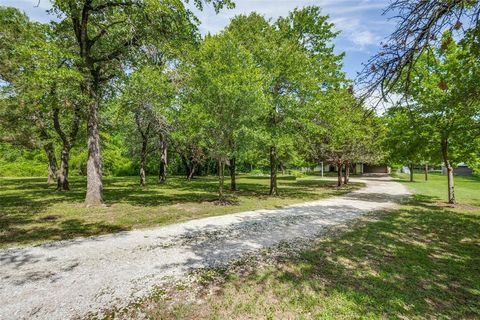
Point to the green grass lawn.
(467, 189)
(31, 212)
(420, 261)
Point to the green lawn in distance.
(467, 189)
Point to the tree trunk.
(411, 172)
(233, 168)
(426, 172)
(339, 174)
(448, 165)
(62, 179)
(143, 159)
(94, 196)
(220, 179)
(162, 172)
(187, 167)
(347, 173)
(67, 143)
(52, 163)
(451, 187)
(191, 172)
(273, 171)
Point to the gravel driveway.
(67, 279)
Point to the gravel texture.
(69, 279)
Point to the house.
(376, 169)
(462, 169)
(365, 168)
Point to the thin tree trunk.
(233, 182)
(62, 179)
(273, 171)
(426, 172)
(162, 172)
(187, 167)
(220, 179)
(143, 159)
(411, 172)
(67, 141)
(451, 187)
(448, 165)
(339, 174)
(94, 196)
(191, 172)
(347, 173)
(52, 163)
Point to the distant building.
(376, 169)
(365, 168)
(461, 170)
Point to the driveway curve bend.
(68, 279)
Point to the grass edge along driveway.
(421, 260)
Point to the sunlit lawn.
(32, 212)
(420, 261)
(467, 189)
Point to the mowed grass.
(420, 261)
(467, 189)
(31, 212)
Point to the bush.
(256, 172)
(297, 173)
(22, 168)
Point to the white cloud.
(364, 38)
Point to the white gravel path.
(68, 279)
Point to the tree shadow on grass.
(417, 262)
(420, 261)
(26, 214)
(32, 194)
(14, 233)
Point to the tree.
(420, 25)
(223, 94)
(148, 96)
(33, 69)
(284, 50)
(328, 130)
(108, 34)
(409, 139)
(17, 31)
(446, 96)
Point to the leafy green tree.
(223, 94)
(148, 96)
(286, 51)
(34, 70)
(17, 32)
(109, 35)
(446, 93)
(409, 139)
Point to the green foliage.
(445, 99)
(409, 140)
(15, 162)
(223, 94)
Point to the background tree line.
(130, 87)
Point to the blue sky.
(361, 22)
